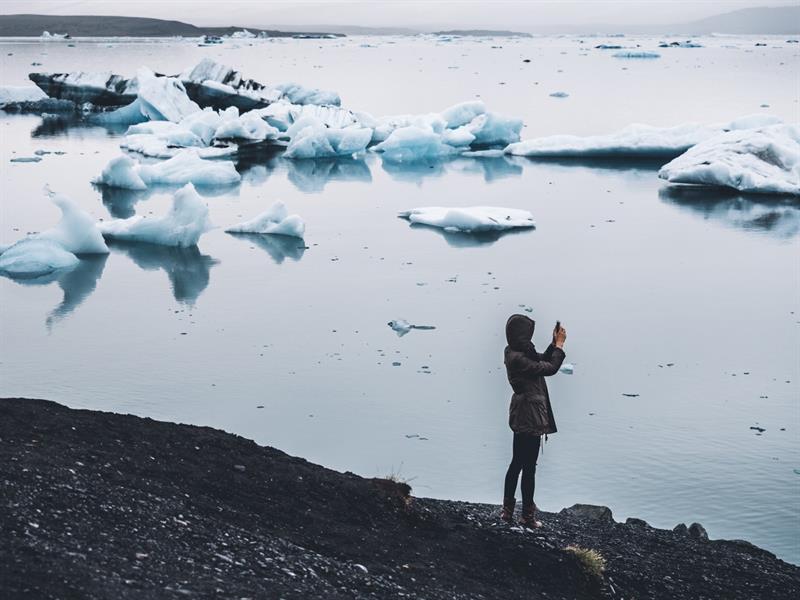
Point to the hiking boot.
(507, 513)
(528, 518)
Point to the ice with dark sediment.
(181, 227)
(635, 140)
(763, 160)
(100, 89)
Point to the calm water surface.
(691, 301)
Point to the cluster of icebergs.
(77, 234)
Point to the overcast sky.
(422, 14)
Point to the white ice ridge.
(764, 161)
(310, 138)
(186, 167)
(474, 219)
(15, 93)
(55, 249)
(182, 226)
(633, 140)
(275, 220)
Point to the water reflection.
(70, 125)
(634, 164)
(77, 284)
(311, 175)
(120, 202)
(279, 247)
(187, 269)
(461, 239)
(775, 215)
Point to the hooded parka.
(530, 410)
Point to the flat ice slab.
(634, 140)
(275, 220)
(182, 226)
(764, 161)
(474, 219)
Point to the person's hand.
(559, 336)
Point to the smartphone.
(558, 325)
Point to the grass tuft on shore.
(592, 561)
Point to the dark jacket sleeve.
(544, 364)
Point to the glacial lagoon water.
(682, 307)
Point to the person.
(530, 415)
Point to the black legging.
(526, 451)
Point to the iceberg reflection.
(461, 239)
(777, 216)
(279, 247)
(188, 269)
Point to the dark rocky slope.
(100, 505)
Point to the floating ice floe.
(401, 327)
(686, 44)
(559, 95)
(276, 220)
(636, 54)
(413, 143)
(311, 139)
(55, 249)
(185, 167)
(633, 140)
(474, 219)
(765, 161)
(18, 93)
(182, 226)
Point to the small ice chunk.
(400, 326)
(765, 161)
(559, 95)
(567, 368)
(311, 139)
(474, 219)
(298, 94)
(408, 144)
(185, 167)
(182, 226)
(275, 220)
(32, 257)
(636, 54)
(76, 232)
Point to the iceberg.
(462, 113)
(55, 249)
(474, 219)
(636, 54)
(491, 129)
(275, 220)
(633, 140)
(181, 227)
(215, 85)
(163, 98)
(764, 161)
(298, 94)
(311, 139)
(31, 257)
(249, 127)
(17, 93)
(412, 143)
(185, 167)
(100, 89)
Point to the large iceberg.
(312, 139)
(100, 89)
(182, 226)
(275, 220)
(474, 219)
(185, 167)
(633, 140)
(765, 161)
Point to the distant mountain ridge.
(108, 26)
